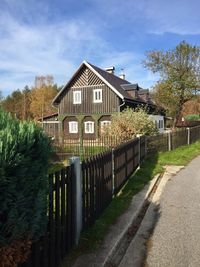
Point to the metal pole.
(113, 172)
(188, 135)
(169, 141)
(77, 194)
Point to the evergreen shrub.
(24, 159)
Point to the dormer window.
(97, 95)
(76, 97)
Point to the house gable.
(85, 82)
(85, 77)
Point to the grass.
(54, 167)
(92, 238)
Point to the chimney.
(110, 70)
(122, 75)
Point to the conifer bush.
(24, 157)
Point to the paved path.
(175, 220)
(176, 239)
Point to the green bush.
(24, 156)
(192, 117)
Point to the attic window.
(97, 95)
(76, 97)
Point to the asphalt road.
(176, 238)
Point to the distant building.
(41, 81)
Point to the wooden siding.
(89, 136)
(85, 77)
(86, 81)
(110, 101)
(51, 129)
(66, 133)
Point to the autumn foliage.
(129, 123)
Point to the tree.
(129, 123)
(18, 104)
(41, 101)
(24, 161)
(179, 71)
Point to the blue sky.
(53, 37)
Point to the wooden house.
(86, 102)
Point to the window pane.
(97, 95)
(77, 97)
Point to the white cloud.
(156, 16)
(33, 44)
(29, 50)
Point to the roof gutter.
(123, 103)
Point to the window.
(104, 124)
(161, 124)
(73, 127)
(76, 97)
(97, 95)
(89, 127)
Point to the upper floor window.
(76, 97)
(97, 95)
(89, 127)
(73, 127)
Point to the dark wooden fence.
(59, 238)
(97, 186)
(179, 138)
(157, 143)
(103, 175)
(126, 161)
(194, 134)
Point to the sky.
(53, 37)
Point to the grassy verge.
(91, 239)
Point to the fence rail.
(103, 175)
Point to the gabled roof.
(113, 82)
(52, 115)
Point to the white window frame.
(97, 92)
(77, 97)
(73, 127)
(104, 123)
(91, 127)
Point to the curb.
(120, 245)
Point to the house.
(86, 102)
(159, 122)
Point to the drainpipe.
(121, 105)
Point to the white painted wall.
(159, 122)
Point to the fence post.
(145, 146)
(113, 172)
(77, 196)
(169, 141)
(139, 152)
(188, 135)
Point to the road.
(170, 232)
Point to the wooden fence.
(59, 237)
(97, 186)
(103, 175)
